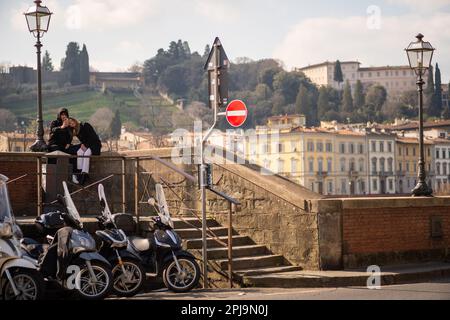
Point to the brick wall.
(397, 234)
(23, 192)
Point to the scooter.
(128, 272)
(19, 277)
(89, 273)
(161, 252)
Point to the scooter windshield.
(102, 197)
(5, 206)
(163, 211)
(72, 210)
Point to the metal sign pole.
(217, 73)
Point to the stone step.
(211, 243)
(347, 278)
(187, 223)
(252, 262)
(263, 271)
(238, 251)
(192, 233)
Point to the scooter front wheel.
(183, 281)
(28, 282)
(98, 287)
(129, 283)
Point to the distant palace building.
(117, 80)
(396, 79)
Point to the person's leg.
(80, 159)
(86, 161)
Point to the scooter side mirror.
(151, 201)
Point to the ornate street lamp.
(38, 20)
(420, 54)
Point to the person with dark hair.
(60, 133)
(90, 145)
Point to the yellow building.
(16, 142)
(407, 155)
(325, 161)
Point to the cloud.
(130, 46)
(219, 10)
(109, 14)
(319, 39)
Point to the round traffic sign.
(236, 113)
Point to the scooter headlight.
(6, 230)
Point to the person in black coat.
(60, 132)
(90, 145)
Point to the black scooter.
(85, 271)
(161, 252)
(128, 272)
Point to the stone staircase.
(249, 259)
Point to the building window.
(390, 165)
(330, 187)
(329, 147)
(352, 148)
(444, 169)
(438, 168)
(391, 184)
(343, 165)
(399, 151)
(344, 186)
(407, 151)
(381, 146)
(382, 165)
(319, 147)
(438, 152)
(342, 147)
(389, 146)
(352, 165)
(293, 146)
(280, 148)
(407, 167)
(444, 154)
(280, 166)
(363, 187)
(310, 146)
(374, 165)
(320, 162)
(293, 165)
(329, 165)
(311, 165)
(400, 167)
(361, 148)
(414, 151)
(375, 184)
(361, 165)
(374, 146)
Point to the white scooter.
(19, 277)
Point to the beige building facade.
(396, 79)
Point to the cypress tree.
(323, 105)
(347, 100)
(338, 76)
(359, 95)
(437, 92)
(116, 125)
(84, 66)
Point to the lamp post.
(420, 54)
(38, 20)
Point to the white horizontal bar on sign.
(222, 114)
(236, 113)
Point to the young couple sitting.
(62, 131)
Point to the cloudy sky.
(299, 32)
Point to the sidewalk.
(390, 275)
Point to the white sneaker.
(75, 180)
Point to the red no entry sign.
(236, 113)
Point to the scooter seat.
(141, 244)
